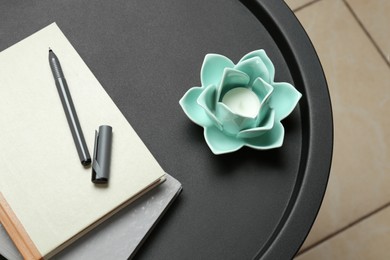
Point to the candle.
(242, 101)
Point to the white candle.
(242, 101)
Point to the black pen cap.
(102, 154)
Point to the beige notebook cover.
(47, 199)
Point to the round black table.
(147, 54)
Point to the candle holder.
(240, 104)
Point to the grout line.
(367, 33)
(362, 218)
(305, 5)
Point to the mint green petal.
(191, 108)
(264, 57)
(264, 91)
(255, 68)
(232, 122)
(284, 99)
(231, 78)
(220, 143)
(257, 131)
(207, 101)
(269, 140)
(212, 69)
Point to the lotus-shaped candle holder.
(240, 104)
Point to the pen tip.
(50, 49)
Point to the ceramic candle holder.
(240, 104)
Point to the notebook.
(121, 235)
(47, 199)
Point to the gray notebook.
(120, 236)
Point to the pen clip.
(96, 169)
(95, 146)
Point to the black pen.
(69, 109)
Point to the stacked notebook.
(120, 236)
(47, 199)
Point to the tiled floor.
(352, 38)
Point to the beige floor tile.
(369, 239)
(374, 14)
(359, 84)
(294, 4)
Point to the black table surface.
(147, 54)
